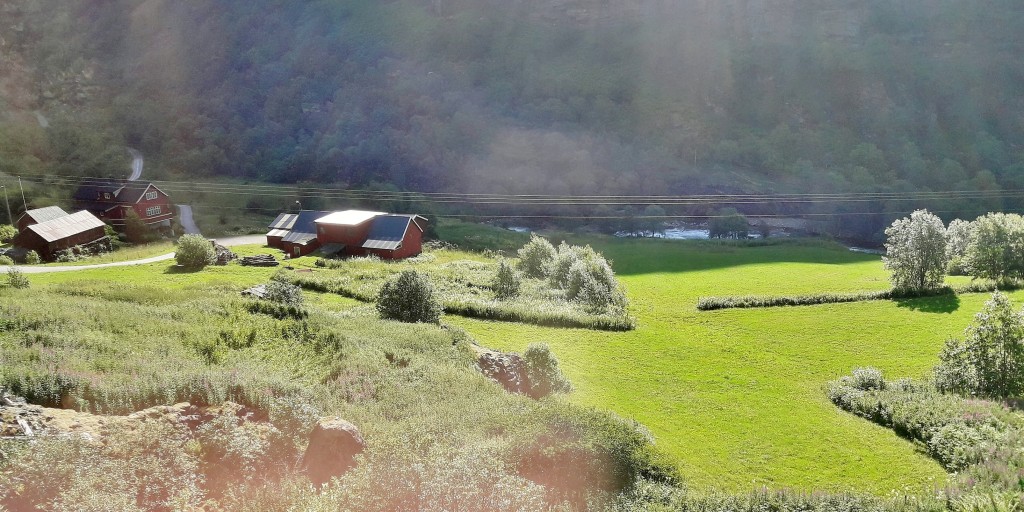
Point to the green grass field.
(737, 397)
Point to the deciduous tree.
(916, 251)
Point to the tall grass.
(464, 288)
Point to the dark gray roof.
(93, 189)
(304, 228)
(284, 221)
(44, 214)
(387, 232)
(132, 191)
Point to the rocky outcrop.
(19, 419)
(509, 370)
(332, 449)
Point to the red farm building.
(348, 233)
(112, 200)
(280, 228)
(62, 233)
(301, 239)
(39, 216)
(393, 237)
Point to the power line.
(266, 190)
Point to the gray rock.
(332, 449)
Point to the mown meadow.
(737, 397)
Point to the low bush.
(284, 293)
(7, 233)
(409, 298)
(6, 260)
(32, 258)
(506, 283)
(276, 310)
(981, 440)
(536, 257)
(543, 373)
(194, 252)
(867, 379)
(16, 278)
(592, 282)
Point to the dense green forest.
(567, 97)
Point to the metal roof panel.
(348, 218)
(66, 226)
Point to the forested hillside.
(525, 96)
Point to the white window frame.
(152, 195)
(153, 211)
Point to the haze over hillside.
(565, 97)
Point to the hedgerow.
(981, 440)
(762, 301)
(466, 288)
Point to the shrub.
(543, 373)
(7, 232)
(16, 278)
(32, 258)
(283, 293)
(566, 257)
(6, 260)
(506, 283)
(409, 298)
(867, 379)
(592, 282)
(194, 252)
(536, 257)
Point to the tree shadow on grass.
(945, 303)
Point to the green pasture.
(737, 397)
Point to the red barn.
(394, 237)
(112, 200)
(39, 216)
(50, 237)
(280, 228)
(344, 232)
(302, 239)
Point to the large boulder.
(332, 449)
(509, 370)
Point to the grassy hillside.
(114, 341)
(737, 396)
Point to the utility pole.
(8, 203)
(23, 201)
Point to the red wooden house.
(112, 200)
